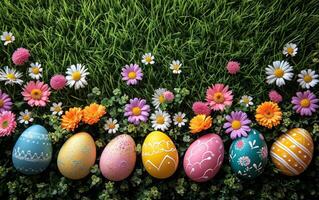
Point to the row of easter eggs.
(291, 154)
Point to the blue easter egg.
(248, 155)
(32, 152)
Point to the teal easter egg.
(248, 155)
(32, 152)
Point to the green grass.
(204, 35)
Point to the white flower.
(176, 66)
(148, 59)
(279, 72)
(10, 76)
(111, 125)
(246, 100)
(308, 78)
(35, 71)
(161, 120)
(25, 117)
(7, 37)
(56, 109)
(179, 119)
(290, 49)
(158, 97)
(76, 76)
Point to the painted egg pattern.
(32, 152)
(292, 152)
(77, 156)
(248, 155)
(159, 155)
(118, 158)
(204, 158)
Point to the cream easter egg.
(159, 155)
(292, 152)
(77, 156)
(204, 158)
(118, 158)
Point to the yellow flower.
(72, 118)
(200, 123)
(93, 113)
(268, 114)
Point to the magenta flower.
(5, 102)
(274, 96)
(233, 67)
(137, 110)
(7, 123)
(132, 74)
(237, 124)
(305, 103)
(58, 82)
(201, 108)
(168, 96)
(20, 56)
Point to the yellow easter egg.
(159, 155)
(292, 152)
(77, 156)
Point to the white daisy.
(7, 37)
(290, 49)
(246, 100)
(56, 109)
(35, 71)
(10, 76)
(148, 58)
(308, 78)
(25, 117)
(176, 66)
(111, 126)
(161, 120)
(76, 76)
(179, 119)
(158, 97)
(279, 72)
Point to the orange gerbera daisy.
(200, 123)
(93, 113)
(268, 114)
(72, 118)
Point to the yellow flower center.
(246, 100)
(1, 103)
(57, 108)
(307, 78)
(161, 99)
(136, 111)
(279, 73)
(218, 97)
(111, 126)
(8, 38)
(5, 124)
(26, 117)
(179, 119)
(36, 94)
(11, 76)
(236, 124)
(176, 66)
(132, 75)
(305, 103)
(148, 59)
(35, 70)
(76, 75)
(160, 119)
(290, 50)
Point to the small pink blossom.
(58, 82)
(20, 56)
(274, 96)
(168, 96)
(233, 67)
(201, 108)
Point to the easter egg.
(118, 158)
(159, 155)
(32, 152)
(248, 155)
(292, 152)
(204, 158)
(77, 156)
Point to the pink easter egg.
(118, 158)
(204, 158)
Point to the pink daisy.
(274, 96)
(7, 123)
(132, 74)
(305, 103)
(218, 96)
(237, 124)
(233, 67)
(201, 108)
(20, 56)
(5, 102)
(36, 93)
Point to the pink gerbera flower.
(237, 124)
(218, 96)
(36, 93)
(5, 102)
(7, 123)
(137, 110)
(132, 74)
(305, 103)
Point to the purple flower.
(305, 103)
(5, 102)
(137, 110)
(132, 74)
(237, 124)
